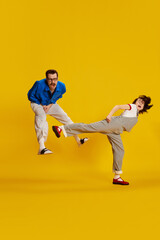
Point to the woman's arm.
(115, 109)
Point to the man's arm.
(32, 93)
(115, 109)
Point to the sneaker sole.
(44, 153)
(121, 184)
(55, 131)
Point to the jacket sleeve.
(32, 93)
(62, 92)
(64, 89)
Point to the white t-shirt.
(132, 112)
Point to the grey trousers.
(112, 130)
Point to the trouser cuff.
(64, 131)
(117, 172)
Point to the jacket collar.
(48, 89)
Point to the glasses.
(52, 79)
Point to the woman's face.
(140, 104)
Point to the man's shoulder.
(42, 81)
(61, 84)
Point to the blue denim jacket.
(41, 94)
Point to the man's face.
(140, 104)
(52, 80)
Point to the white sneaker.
(83, 140)
(44, 151)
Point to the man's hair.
(147, 101)
(51, 71)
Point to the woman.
(112, 127)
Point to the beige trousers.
(41, 125)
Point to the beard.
(52, 87)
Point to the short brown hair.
(51, 71)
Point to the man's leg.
(41, 127)
(57, 112)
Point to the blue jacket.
(41, 94)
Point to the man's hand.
(46, 108)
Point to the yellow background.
(107, 53)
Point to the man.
(43, 97)
(112, 127)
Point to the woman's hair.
(147, 101)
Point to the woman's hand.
(108, 118)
